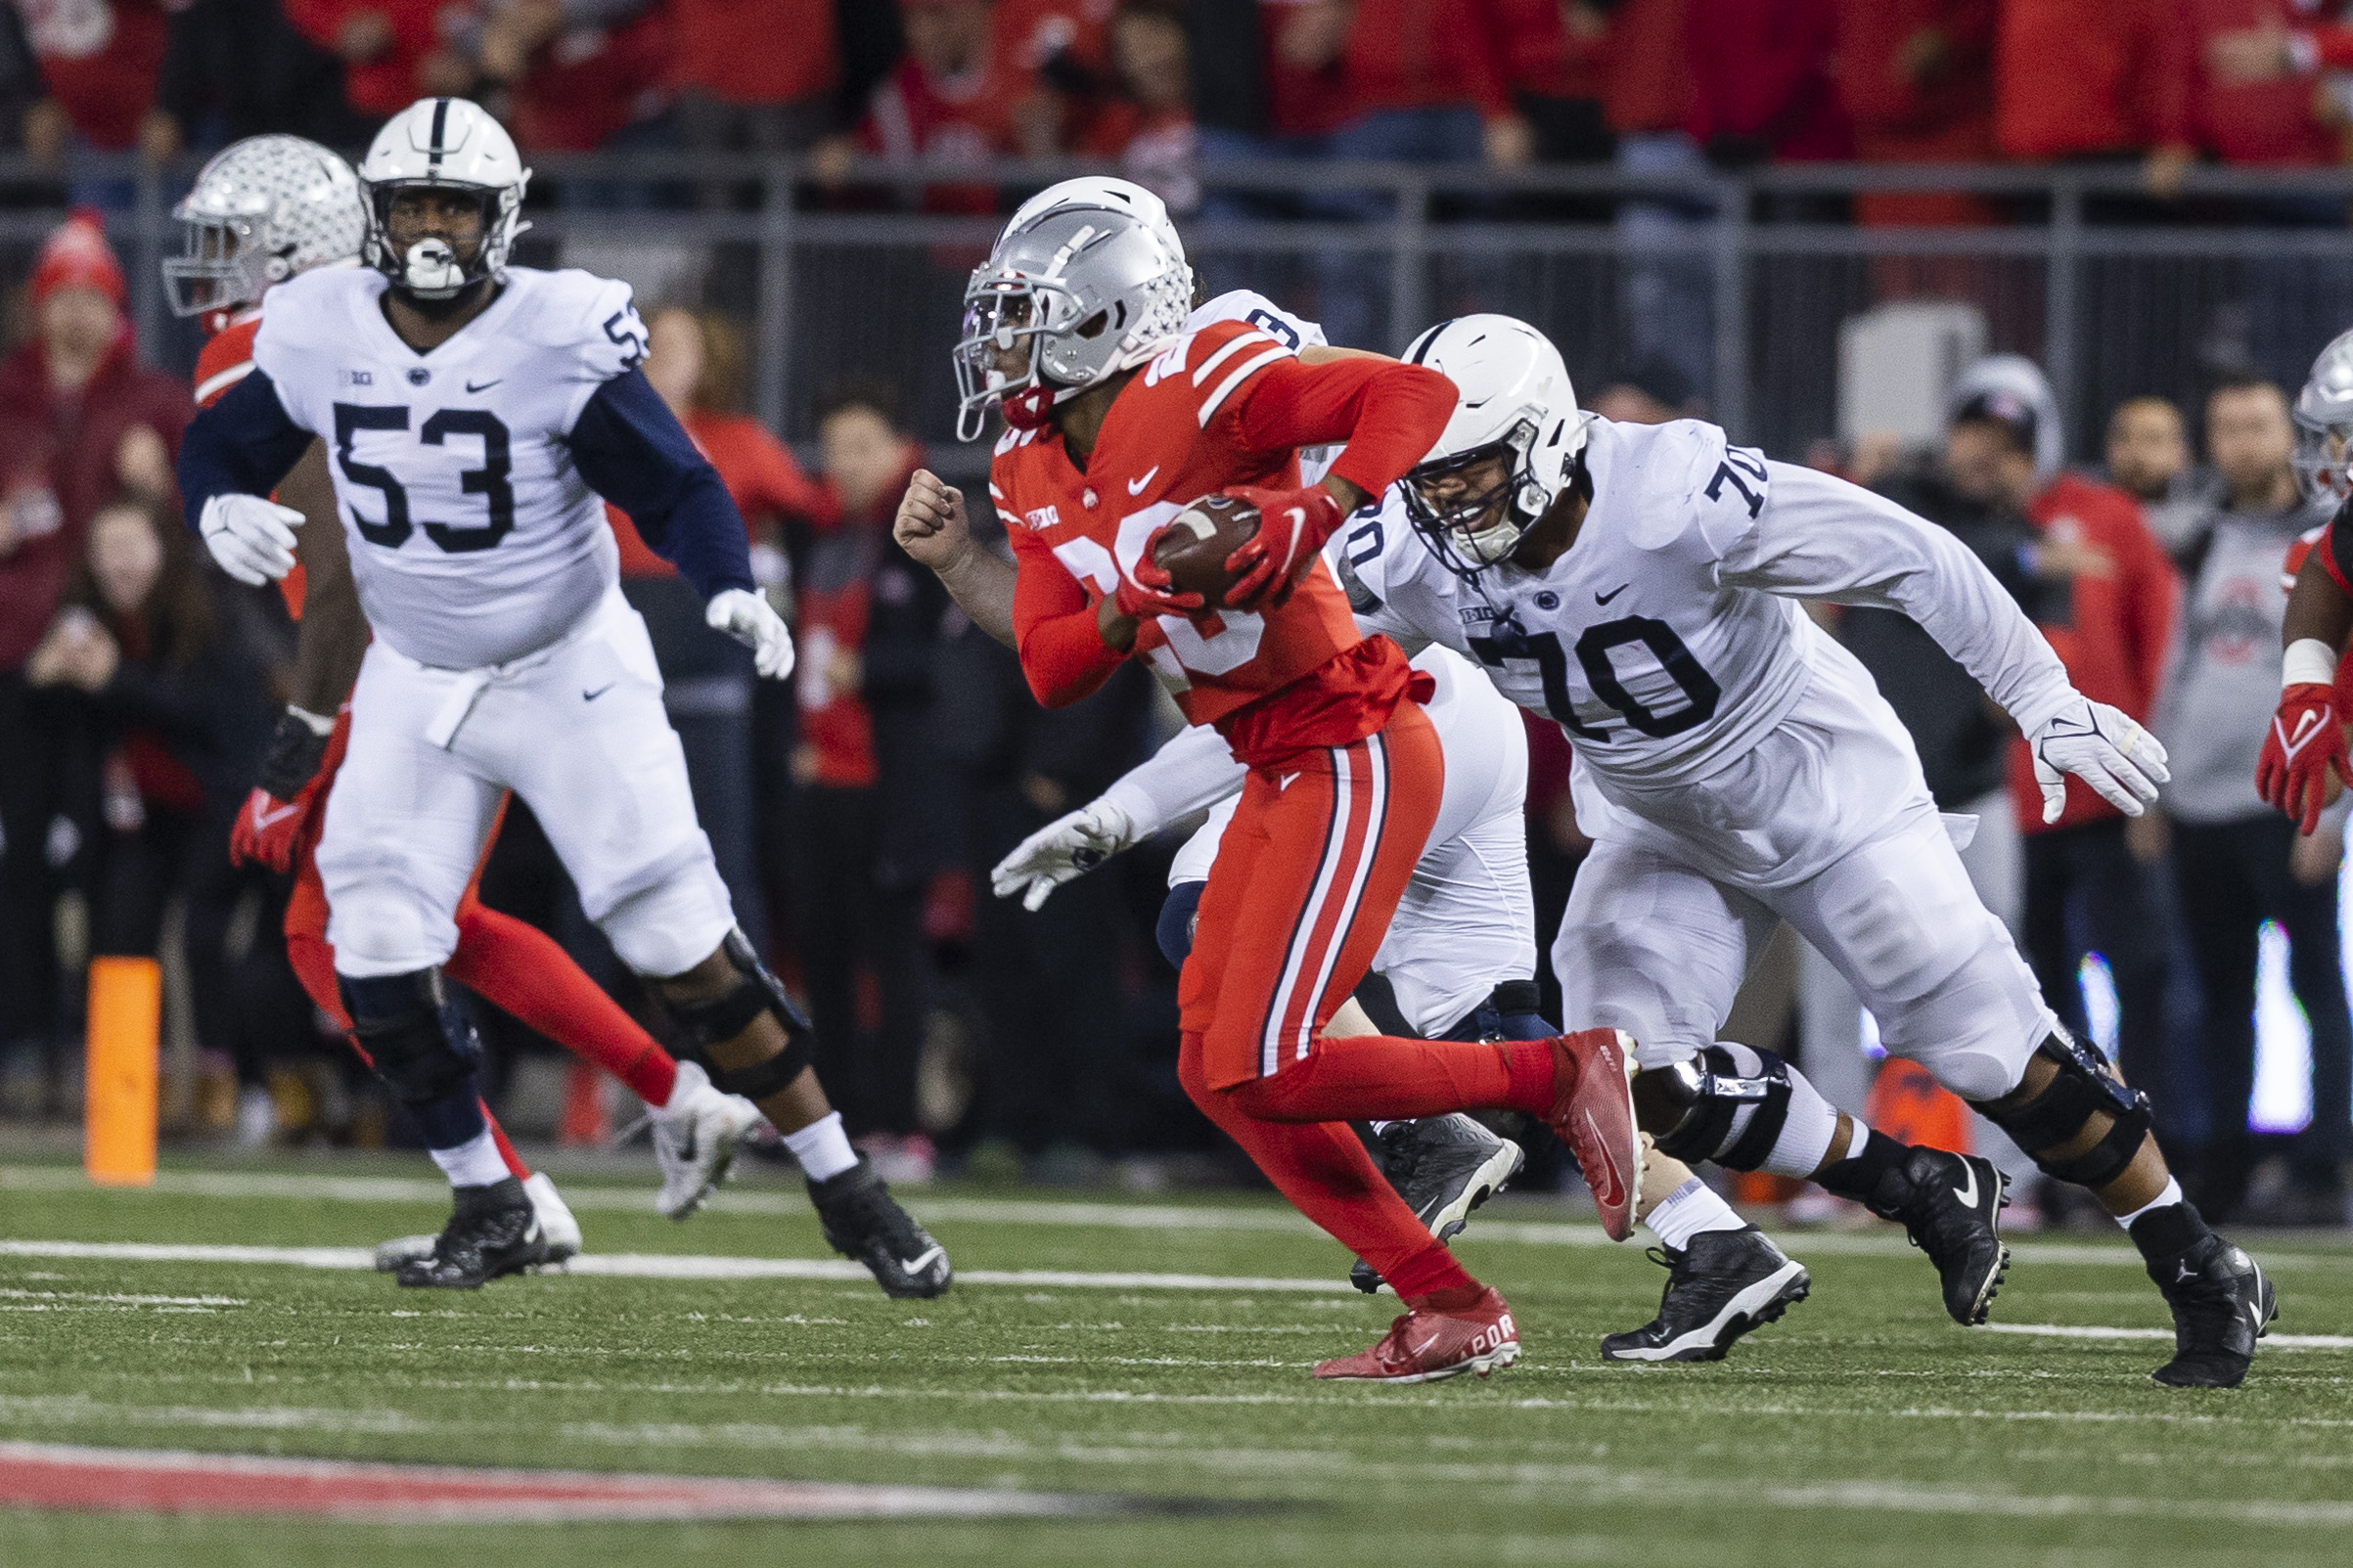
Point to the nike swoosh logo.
(1611, 1189)
(1135, 487)
(1417, 1351)
(2308, 725)
(263, 821)
(487, 386)
(922, 1260)
(591, 697)
(1967, 1195)
(2183, 1271)
(1601, 597)
(1288, 778)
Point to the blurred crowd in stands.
(858, 808)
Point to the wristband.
(2308, 662)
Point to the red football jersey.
(1182, 429)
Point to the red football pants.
(1307, 877)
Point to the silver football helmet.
(452, 144)
(260, 212)
(1079, 295)
(1116, 195)
(2324, 417)
(1516, 404)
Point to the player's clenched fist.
(932, 525)
(252, 539)
(2305, 745)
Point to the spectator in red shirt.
(81, 422)
(1148, 128)
(696, 362)
(2107, 607)
(1666, 293)
(579, 72)
(943, 102)
(1918, 80)
(869, 623)
(99, 61)
(2083, 79)
(1053, 60)
(755, 75)
(1280, 100)
(393, 51)
(1761, 81)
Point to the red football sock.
(521, 968)
(313, 964)
(506, 1150)
(1381, 1078)
(1321, 1167)
(1432, 1278)
(1533, 1068)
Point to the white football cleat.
(557, 1227)
(696, 1137)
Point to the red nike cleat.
(1426, 1345)
(1593, 1113)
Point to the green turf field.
(1864, 1428)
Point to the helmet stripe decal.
(440, 124)
(1419, 354)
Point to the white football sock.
(477, 1162)
(822, 1148)
(2171, 1195)
(1692, 1209)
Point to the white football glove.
(2103, 746)
(1066, 848)
(749, 619)
(252, 539)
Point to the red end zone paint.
(43, 1475)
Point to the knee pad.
(2086, 1086)
(421, 1043)
(1174, 929)
(1727, 1104)
(757, 991)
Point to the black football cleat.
(1951, 1206)
(1721, 1286)
(1443, 1167)
(863, 1220)
(2222, 1304)
(492, 1230)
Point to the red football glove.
(267, 828)
(1147, 592)
(2306, 744)
(1292, 525)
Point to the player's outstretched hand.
(252, 539)
(2105, 748)
(749, 618)
(2305, 745)
(932, 525)
(1068, 847)
(288, 794)
(1292, 525)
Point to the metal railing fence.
(1738, 279)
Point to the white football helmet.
(1118, 195)
(1089, 291)
(260, 212)
(1516, 404)
(2324, 416)
(454, 144)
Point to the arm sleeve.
(1063, 656)
(1390, 414)
(243, 444)
(631, 450)
(1193, 772)
(1820, 537)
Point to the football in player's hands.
(1194, 546)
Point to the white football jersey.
(473, 538)
(1668, 643)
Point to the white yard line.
(1879, 1242)
(2081, 1331)
(656, 1266)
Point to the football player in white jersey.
(477, 411)
(1461, 948)
(1735, 766)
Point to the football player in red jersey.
(262, 211)
(2305, 763)
(1119, 420)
